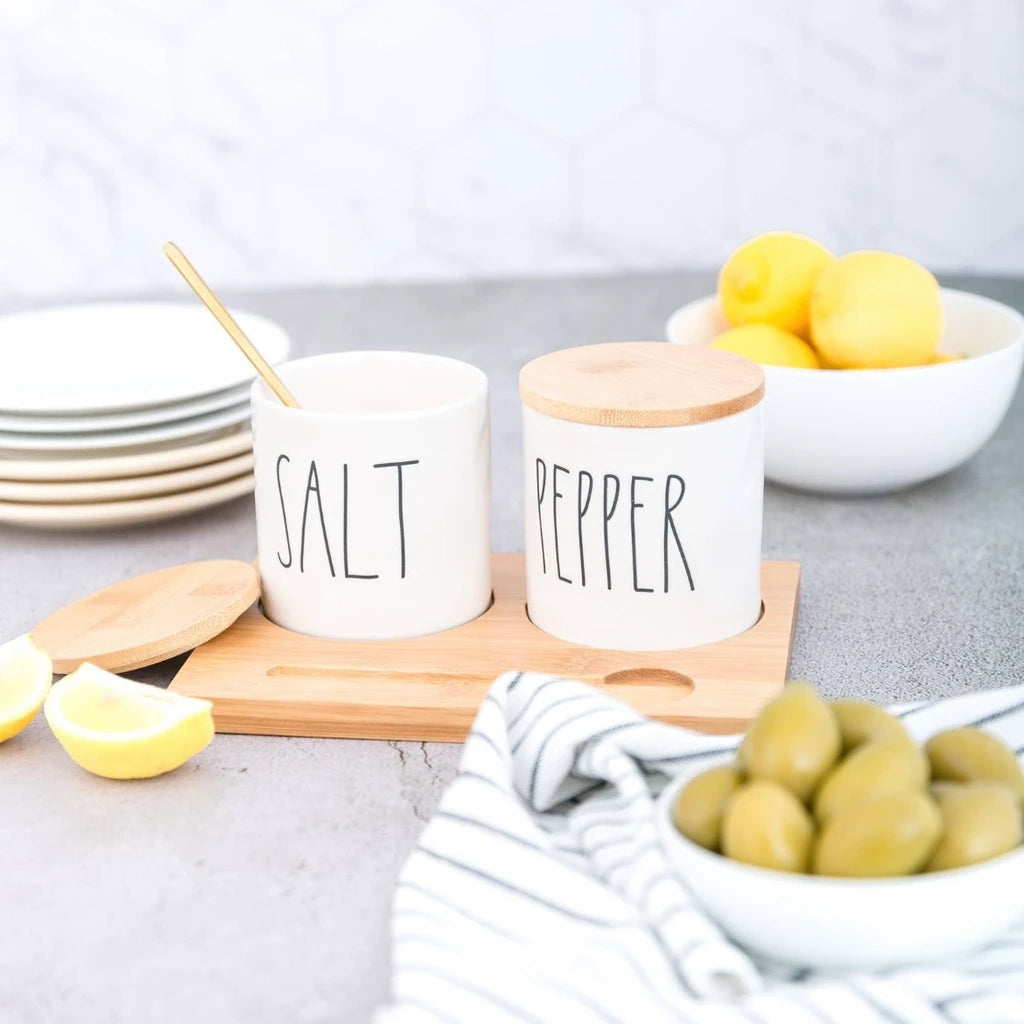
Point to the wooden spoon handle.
(227, 321)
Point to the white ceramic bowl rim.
(949, 367)
(812, 882)
(475, 385)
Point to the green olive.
(701, 803)
(860, 722)
(979, 822)
(970, 755)
(872, 770)
(765, 825)
(793, 741)
(891, 835)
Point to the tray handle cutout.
(649, 676)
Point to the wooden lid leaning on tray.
(640, 384)
(148, 618)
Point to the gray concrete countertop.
(254, 883)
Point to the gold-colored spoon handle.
(227, 321)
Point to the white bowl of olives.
(834, 841)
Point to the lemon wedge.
(124, 730)
(25, 678)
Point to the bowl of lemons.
(836, 839)
(876, 377)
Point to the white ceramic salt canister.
(373, 497)
(644, 479)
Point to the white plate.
(88, 454)
(80, 491)
(112, 467)
(89, 423)
(105, 514)
(114, 356)
(158, 433)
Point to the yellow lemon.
(124, 730)
(944, 357)
(769, 345)
(768, 280)
(25, 678)
(875, 310)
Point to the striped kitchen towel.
(538, 892)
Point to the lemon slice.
(124, 730)
(25, 678)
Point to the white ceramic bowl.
(847, 923)
(872, 431)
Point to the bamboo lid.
(149, 618)
(640, 384)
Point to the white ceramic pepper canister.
(644, 480)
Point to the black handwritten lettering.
(645, 519)
(555, 495)
(313, 487)
(401, 509)
(284, 514)
(581, 511)
(608, 513)
(542, 479)
(670, 507)
(633, 506)
(344, 530)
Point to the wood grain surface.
(265, 679)
(640, 384)
(148, 618)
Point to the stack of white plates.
(124, 413)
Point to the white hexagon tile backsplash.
(352, 140)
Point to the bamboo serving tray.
(264, 679)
